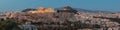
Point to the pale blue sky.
(17, 5)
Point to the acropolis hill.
(51, 10)
(66, 18)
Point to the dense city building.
(64, 19)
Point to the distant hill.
(78, 9)
(28, 9)
(85, 10)
(92, 11)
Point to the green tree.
(8, 24)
